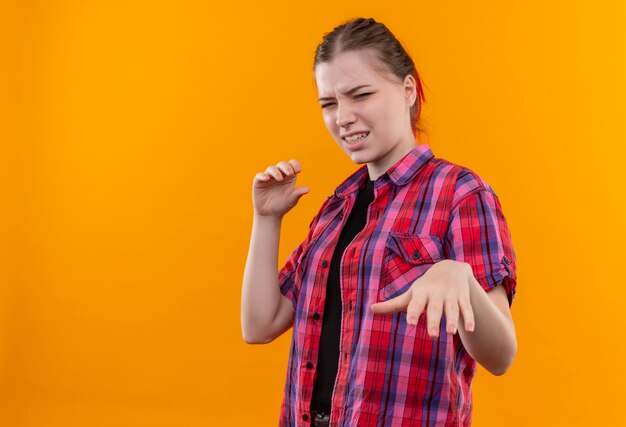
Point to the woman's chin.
(358, 157)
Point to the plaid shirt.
(426, 209)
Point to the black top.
(328, 357)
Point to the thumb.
(394, 305)
(300, 191)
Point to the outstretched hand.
(445, 286)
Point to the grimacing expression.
(371, 109)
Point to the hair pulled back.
(366, 33)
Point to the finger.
(467, 312)
(286, 168)
(433, 315)
(452, 314)
(261, 176)
(274, 172)
(393, 305)
(416, 307)
(297, 168)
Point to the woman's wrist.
(267, 219)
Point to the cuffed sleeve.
(478, 235)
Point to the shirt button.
(309, 365)
(316, 316)
(416, 255)
(305, 417)
(324, 263)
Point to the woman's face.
(356, 98)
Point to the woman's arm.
(493, 342)
(265, 313)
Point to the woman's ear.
(410, 90)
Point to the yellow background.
(130, 135)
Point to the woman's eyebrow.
(349, 92)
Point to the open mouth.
(353, 139)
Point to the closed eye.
(361, 95)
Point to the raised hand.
(274, 191)
(445, 286)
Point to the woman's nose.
(344, 116)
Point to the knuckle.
(434, 306)
(451, 299)
(451, 312)
(417, 289)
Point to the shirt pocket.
(406, 258)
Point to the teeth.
(356, 137)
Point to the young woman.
(405, 279)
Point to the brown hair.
(362, 33)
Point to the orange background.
(131, 132)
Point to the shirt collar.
(400, 173)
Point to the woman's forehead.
(346, 71)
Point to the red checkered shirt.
(426, 209)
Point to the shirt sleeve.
(286, 275)
(286, 279)
(478, 234)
